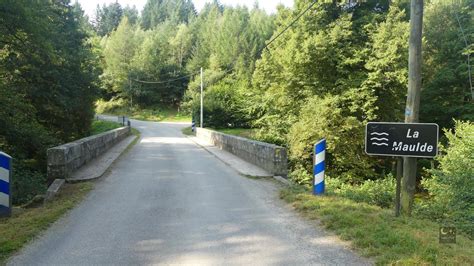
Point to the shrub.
(111, 106)
(26, 184)
(379, 192)
(452, 185)
(326, 118)
(301, 176)
(224, 106)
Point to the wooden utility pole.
(413, 100)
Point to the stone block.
(53, 189)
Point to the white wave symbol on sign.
(379, 144)
(379, 133)
(379, 139)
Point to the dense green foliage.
(449, 36)
(100, 126)
(380, 192)
(452, 185)
(154, 62)
(49, 81)
(108, 17)
(158, 11)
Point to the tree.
(119, 50)
(387, 66)
(181, 45)
(108, 18)
(158, 11)
(446, 92)
(131, 13)
(48, 86)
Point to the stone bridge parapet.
(65, 159)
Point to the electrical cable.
(468, 55)
(289, 26)
(164, 81)
(258, 52)
(281, 32)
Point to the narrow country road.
(168, 201)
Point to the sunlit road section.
(169, 201)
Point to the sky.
(89, 6)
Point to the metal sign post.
(319, 167)
(5, 181)
(401, 139)
(407, 140)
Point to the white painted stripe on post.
(320, 157)
(4, 199)
(4, 175)
(319, 178)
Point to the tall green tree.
(119, 50)
(446, 90)
(158, 11)
(108, 17)
(48, 86)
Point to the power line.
(289, 26)
(231, 69)
(164, 81)
(279, 34)
(468, 55)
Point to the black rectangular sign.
(401, 139)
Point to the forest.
(337, 67)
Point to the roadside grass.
(100, 126)
(27, 223)
(240, 132)
(187, 131)
(155, 114)
(376, 233)
(160, 114)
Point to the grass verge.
(160, 114)
(27, 223)
(240, 132)
(100, 126)
(187, 131)
(376, 233)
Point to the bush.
(452, 185)
(326, 118)
(301, 176)
(26, 184)
(224, 106)
(379, 192)
(111, 106)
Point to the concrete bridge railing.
(269, 157)
(65, 159)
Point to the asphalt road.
(168, 201)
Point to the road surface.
(168, 201)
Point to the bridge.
(170, 201)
